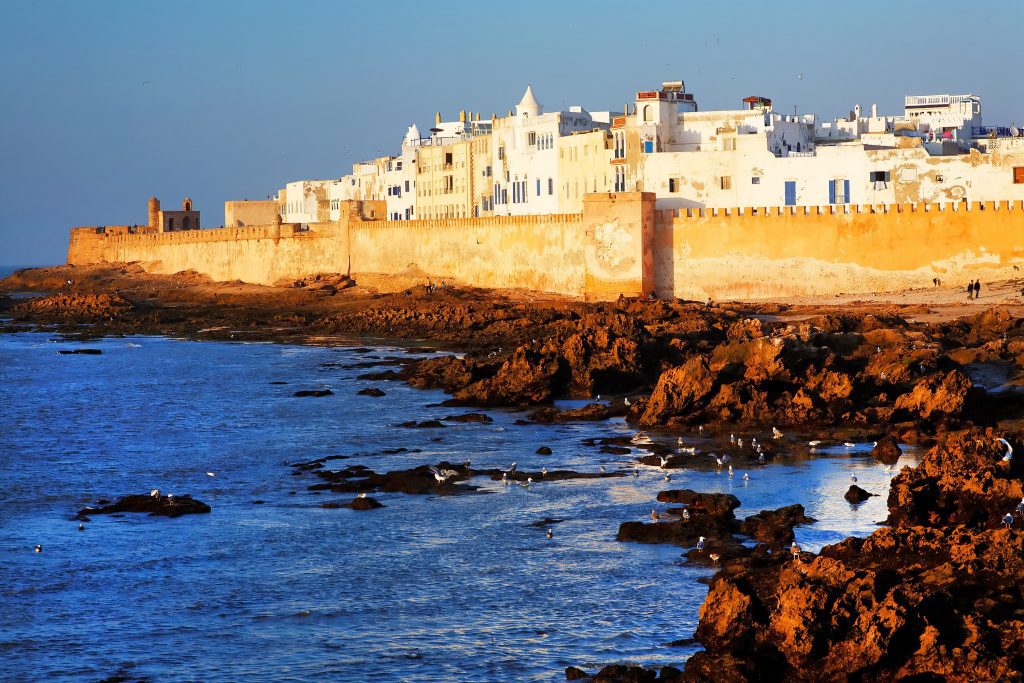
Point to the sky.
(108, 102)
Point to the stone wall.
(239, 214)
(793, 251)
(619, 244)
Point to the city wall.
(618, 244)
(782, 252)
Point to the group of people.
(974, 289)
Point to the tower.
(186, 204)
(154, 212)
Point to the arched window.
(170, 223)
(648, 113)
(185, 223)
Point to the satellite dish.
(1014, 132)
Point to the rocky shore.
(933, 595)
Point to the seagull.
(700, 543)
(155, 493)
(504, 478)
(543, 471)
(362, 494)
(81, 527)
(529, 480)
(679, 441)
(739, 443)
(667, 477)
(720, 460)
(1008, 520)
(512, 468)
(795, 549)
(1009, 449)
(700, 429)
(442, 475)
(849, 444)
(664, 461)
(731, 472)
(39, 548)
(636, 471)
(746, 476)
(655, 516)
(776, 434)
(853, 478)
(813, 443)
(686, 515)
(1020, 505)
(550, 534)
(602, 469)
(210, 474)
(715, 557)
(626, 400)
(760, 458)
(732, 438)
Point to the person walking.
(970, 290)
(977, 289)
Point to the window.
(839, 191)
(448, 159)
(755, 180)
(726, 182)
(672, 186)
(729, 144)
(398, 166)
(648, 113)
(501, 152)
(538, 187)
(531, 138)
(648, 146)
(406, 185)
(1018, 175)
(878, 177)
(551, 186)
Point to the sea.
(270, 586)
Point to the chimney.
(437, 119)
(874, 111)
(462, 116)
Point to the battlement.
(836, 209)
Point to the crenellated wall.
(824, 250)
(619, 245)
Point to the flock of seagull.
(441, 476)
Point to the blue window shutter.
(790, 193)
(649, 146)
(846, 190)
(831, 192)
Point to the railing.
(1000, 132)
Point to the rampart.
(822, 250)
(618, 244)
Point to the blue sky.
(107, 103)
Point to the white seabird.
(715, 557)
(543, 471)
(1008, 520)
(795, 550)
(731, 473)
(853, 478)
(686, 515)
(664, 460)
(210, 474)
(667, 477)
(776, 434)
(700, 543)
(1009, 449)
(39, 548)
(746, 476)
(549, 534)
(655, 516)
(155, 493)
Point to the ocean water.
(428, 588)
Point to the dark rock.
(371, 391)
(314, 392)
(365, 503)
(80, 352)
(164, 506)
(857, 495)
(887, 450)
(471, 417)
(426, 424)
(588, 413)
(574, 674)
(775, 527)
(543, 450)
